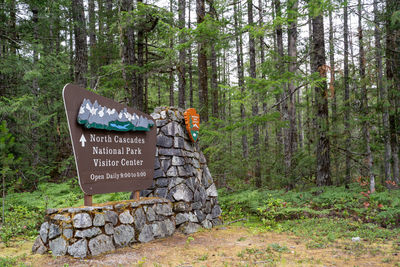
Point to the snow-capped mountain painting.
(99, 117)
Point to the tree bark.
(292, 68)
(364, 103)
(253, 76)
(346, 96)
(81, 57)
(318, 65)
(92, 43)
(190, 69)
(202, 64)
(182, 54)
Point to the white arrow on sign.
(82, 140)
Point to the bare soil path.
(224, 246)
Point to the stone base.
(90, 231)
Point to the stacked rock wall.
(90, 231)
(181, 174)
(183, 196)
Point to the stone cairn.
(183, 196)
(181, 174)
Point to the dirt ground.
(224, 246)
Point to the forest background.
(292, 94)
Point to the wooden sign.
(114, 145)
(192, 121)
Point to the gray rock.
(140, 219)
(216, 222)
(51, 211)
(165, 164)
(188, 145)
(126, 217)
(99, 219)
(123, 235)
(185, 171)
(189, 228)
(39, 247)
(195, 163)
(78, 249)
(174, 182)
(121, 206)
(161, 192)
(82, 220)
(208, 207)
(202, 158)
(145, 193)
(169, 129)
(171, 115)
(100, 244)
(158, 173)
(192, 217)
(212, 191)
(181, 218)
(54, 231)
(43, 232)
(112, 217)
(58, 246)
(170, 152)
(60, 217)
(196, 155)
(156, 163)
(163, 209)
(172, 172)
(163, 114)
(179, 142)
(216, 211)
(157, 230)
(94, 231)
(178, 161)
(182, 206)
(191, 183)
(161, 123)
(155, 116)
(200, 215)
(164, 141)
(146, 234)
(188, 155)
(151, 215)
(162, 182)
(68, 233)
(170, 226)
(207, 224)
(209, 217)
(109, 229)
(196, 205)
(200, 195)
(182, 192)
(207, 179)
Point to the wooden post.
(136, 195)
(87, 200)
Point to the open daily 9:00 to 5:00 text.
(115, 175)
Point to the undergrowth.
(327, 212)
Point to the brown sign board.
(114, 145)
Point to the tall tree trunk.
(138, 101)
(214, 82)
(240, 74)
(383, 93)
(127, 44)
(262, 61)
(182, 54)
(92, 43)
(321, 95)
(171, 74)
(292, 68)
(279, 65)
(346, 96)
(364, 95)
(253, 76)
(109, 21)
(393, 77)
(202, 64)
(190, 70)
(333, 93)
(81, 57)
